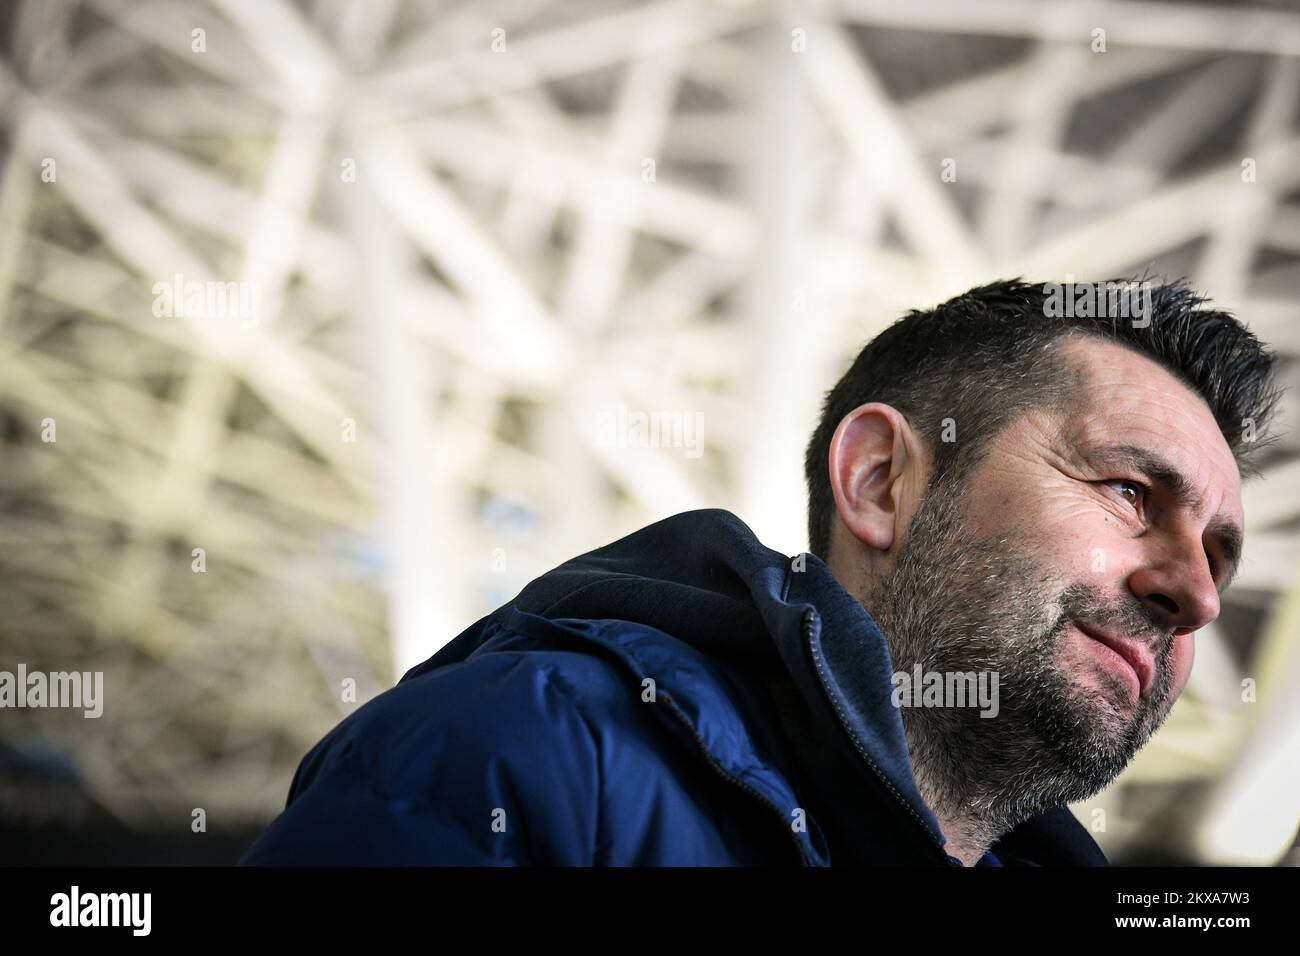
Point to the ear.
(874, 454)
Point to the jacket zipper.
(731, 778)
(808, 618)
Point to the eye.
(1131, 491)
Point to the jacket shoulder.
(538, 748)
(488, 761)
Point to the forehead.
(1123, 398)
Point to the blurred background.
(315, 316)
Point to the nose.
(1180, 587)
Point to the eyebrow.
(1225, 533)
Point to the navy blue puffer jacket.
(682, 696)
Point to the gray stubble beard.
(956, 603)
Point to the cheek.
(1064, 529)
(1180, 659)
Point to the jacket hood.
(705, 579)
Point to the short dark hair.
(990, 353)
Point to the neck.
(967, 838)
(952, 784)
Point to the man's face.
(1111, 523)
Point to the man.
(1005, 497)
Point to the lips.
(1136, 653)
